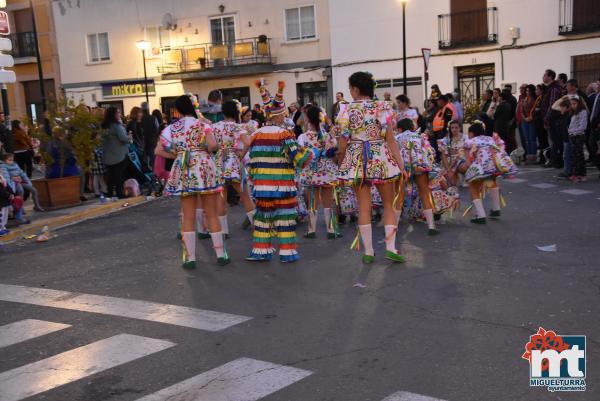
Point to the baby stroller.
(138, 169)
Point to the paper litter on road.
(359, 285)
(547, 248)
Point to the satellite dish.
(168, 22)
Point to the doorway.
(241, 94)
(474, 80)
(167, 106)
(313, 92)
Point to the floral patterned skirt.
(193, 173)
(231, 169)
(367, 162)
(490, 163)
(323, 173)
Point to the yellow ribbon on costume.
(356, 242)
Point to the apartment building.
(25, 96)
(475, 44)
(195, 47)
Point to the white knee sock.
(200, 226)
(189, 239)
(250, 215)
(390, 238)
(3, 217)
(366, 235)
(428, 213)
(495, 197)
(224, 224)
(312, 221)
(217, 240)
(327, 213)
(479, 210)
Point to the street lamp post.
(404, 82)
(144, 45)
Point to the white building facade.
(195, 46)
(475, 44)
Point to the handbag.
(17, 202)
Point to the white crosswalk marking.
(543, 185)
(240, 380)
(515, 180)
(76, 364)
(155, 312)
(404, 396)
(576, 192)
(28, 329)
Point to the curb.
(71, 219)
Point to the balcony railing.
(578, 16)
(23, 44)
(209, 56)
(468, 28)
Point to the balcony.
(469, 28)
(208, 60)
(23, 44)
(578, 16)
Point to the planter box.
(58, 193)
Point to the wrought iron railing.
(468, 28)
(209, 56)
(578, 16)
(23, 44)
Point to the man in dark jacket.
(150, 130)
(552, 93)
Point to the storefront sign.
(126, 89)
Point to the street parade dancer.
(418, 160)
(232, 138)
(488, 160)
(369, 156)
(274, 155)
(452, 150)
(193, 176)
(319, 178)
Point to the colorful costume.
(416, 152)
(488, 159)
(322, 172)
(228, 135)
(194, 170)
(368, 159)
(454, 150)
(274, 155)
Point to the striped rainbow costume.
(274, 155)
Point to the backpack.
(131, 188)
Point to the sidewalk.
(56, 219)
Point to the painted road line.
(76, 364)
(576, 192)
(515, 180)
(143, 310)
(404, 396)
(28, 329)
(543, 185)
(240, 380)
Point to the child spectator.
(563, 122)
(577, 127)
(20, 179)
(98, 171)
(6, 197)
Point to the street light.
(144, 45)
(404, 84)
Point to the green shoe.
(189, 265)
(223, 261)
(334, 235)
(368, 259)
(495, 214)
(433, 231)
(203, 235)
(478, 220)
(310, 235)
(394, 257)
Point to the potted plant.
(68, 136)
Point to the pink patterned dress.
(488, 159)
(322, 172)
(416, 152)
(194, 170)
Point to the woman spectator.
(23, 147)
(404, 110)
(502, 118)
(527, 124)
(116, 148)
(538, 123)
(577, 127)
(160, 119)
(134, 127)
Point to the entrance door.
(313, 92)
(222, 33)
(474, 80)
(167, 106)
(241, 94)
(33, 97)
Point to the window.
(158, 38)
(97, 44)
(300, 23)
(222, 30)
(585, 68)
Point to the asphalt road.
(450, 324)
